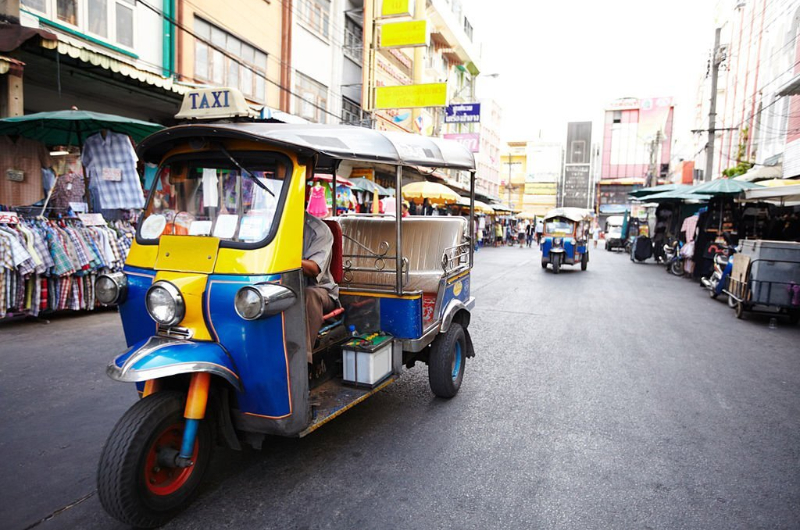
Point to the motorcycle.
(674, 259)
(723, 263)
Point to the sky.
(565, 60)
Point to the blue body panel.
(460, 284)
(180, 353)
(136, 323)
(568, 244)
(402, 317)
(258, 347)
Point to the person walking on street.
(595, 234)
(539, 232)
(530, 229)
(498, 234)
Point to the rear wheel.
(544, 264)
(676, 268)
(584, 262)
(794, 316)
(447, 359)
(738, 310)
(556, 260)
(137, 481)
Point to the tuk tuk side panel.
(285, 251)
(457, 288)
(401, 317)
(136, 322)
(142, 256)
(569, 250)
(269, 353)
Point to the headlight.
(165, 303)
(256, 301)
(557, 241)
(111, 288)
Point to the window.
(311, 101)
(353, 43)
(351, 112)
(111, 20)
(467, 28)
(316, 15)
(247, 72)
(617, 117)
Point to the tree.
(742, 166)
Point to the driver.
(321, 291)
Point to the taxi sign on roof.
(213, 103)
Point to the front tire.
(447, 360)
(676, 268)
(132, 485)
(556, 261)
(584, 261)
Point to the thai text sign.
(471, 141)
(395, 8)
(411, 96)
(404, 34)
(541, 188)
(463, 113)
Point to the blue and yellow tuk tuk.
(566, 238)
(212, 297)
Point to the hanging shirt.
(111, 164)
(21, 163)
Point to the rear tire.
(447, 360)
(738, 310)
(794, 316)
(584, 261)
(132, 485)
(544, 264)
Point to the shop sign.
(541, 188)
(463, 113)
(213, 103)
(471, 141)
(395, 8)
(368, 174)
(411, 96)
(404, 34)
(92, 219)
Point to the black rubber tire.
(676, 268)
(442, 359)
(120, 475)
(794, 316)
(712, 293)
(544, 264)
(584, 261)
(556, 261)
(607, 246)
(738, 310)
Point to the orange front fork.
(195, 411)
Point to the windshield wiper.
(245, 171)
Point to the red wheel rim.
(167, 480)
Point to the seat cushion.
(425, 240)
(336, 253)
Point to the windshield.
(208, 194)
(558, 227)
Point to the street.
(620, 397)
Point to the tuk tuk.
(212, 305)
(566, 237)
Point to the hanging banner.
(404, 34)
(395, 8)
(411, 96)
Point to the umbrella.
(435, 193)
(325, 177)
(72, 127)
(676, 195)
(360, 183)
(481, 207)
(723, 186)
(657, 189)
(776, 183)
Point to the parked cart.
(766, 279)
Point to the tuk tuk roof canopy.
(573, 214)
(330, 143)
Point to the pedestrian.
(530, 229)
(595, 234)
(539, 232)
(521, 235)
(498, 234)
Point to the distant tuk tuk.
(566, 238)
(212, 297)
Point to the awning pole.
(398, 211)
(471, 217)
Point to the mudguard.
(158, 357)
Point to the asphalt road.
(620, 397)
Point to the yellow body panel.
(142, 256)
(192, 287)
(187, 254)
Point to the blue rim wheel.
(457, 360)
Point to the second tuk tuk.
(566, 237)
(212, 297)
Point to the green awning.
(723, 186)
(642, 192)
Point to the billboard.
(471, 141)
(463, 113)
(576, 186)
(411, 96)
(579, 142)
(395, 8)
(576, 190)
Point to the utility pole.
(716, 60)
(652, 175)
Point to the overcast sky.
(563, 61)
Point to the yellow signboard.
(541, 188)
(395, 8)
(404, 34)
(411, 96)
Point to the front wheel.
(556, 261)
(584, 262)
(676, 268)
(447, 360)
(137, 481)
